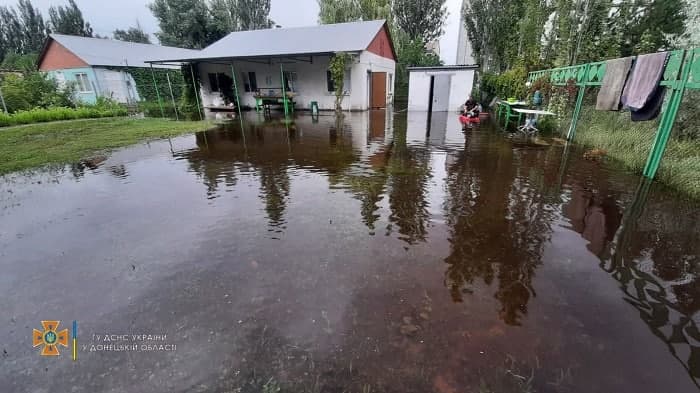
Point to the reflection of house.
(447, 87)
(296, 61)
(100, 67)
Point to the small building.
(295, 61)
(440, 89)
(100, 67)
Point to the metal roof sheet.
(106, 52)
(339, 37)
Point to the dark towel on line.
(652, 108)
(614, 80)
(644, 80)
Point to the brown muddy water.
(369, 257)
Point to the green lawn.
(35, 145)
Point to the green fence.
(682, 71)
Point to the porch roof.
(288, 42)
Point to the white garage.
(439, 89)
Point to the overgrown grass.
(41, 115)
(35, 145)
(630, 143)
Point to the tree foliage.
(421, 19)
(338, 68)
(543, 33)
(198, 23)
(69, 20)
(22, 30)
(132, 34)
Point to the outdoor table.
(528, 128)
(508, 108)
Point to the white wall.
(311, 83)
(419, 88)
(118, 85)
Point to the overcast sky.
(106, 16)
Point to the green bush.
(34, 89)
(41, 115)
(506, 85)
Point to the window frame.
(83, 81)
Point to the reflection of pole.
(172, 96)
(284, 93)
(196, 93)
(160, 103)
(562, 166)
(2, 99)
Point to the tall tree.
(33, 27)
(237, 15)
(183, 23)
(69, 20)
(423, 19)
(10, 31)
(338, 11)
(132, 34)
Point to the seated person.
(471, 108)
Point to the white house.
(439, 89)
(296, 61)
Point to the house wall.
(310, 85)
(419, 88)
(118, 85)
(65, 76)
(57, 57)
(381, 45)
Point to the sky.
(106, 16)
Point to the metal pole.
(2, 99)
(196, 93)
(668, 118)
(284, 93)
(235, 89)
(577, 110)
(160, 103)
(172, 96)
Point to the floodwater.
(368, 256)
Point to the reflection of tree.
(498, 224)
(274, 190)
(409, 173)
(654, 257)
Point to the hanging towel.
(616, 72)
(644, 80)
(653, 107)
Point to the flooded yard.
(369, 256)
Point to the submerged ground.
(369, 256)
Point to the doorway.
(440, 93)
(378, 90)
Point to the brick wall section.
(58, 57)
(381, 45)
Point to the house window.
(331, 83)
(290, 81)
(250, 81)
(84, 85)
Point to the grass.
(36, 145)
(41, 115)
(630, 143)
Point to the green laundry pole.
(160, 103)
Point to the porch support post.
(668, 118)
(235, 89)
(196, 93)
(172, 96)
(577, 110)
(284, 92)
(160, 103)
